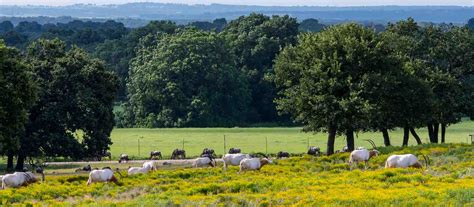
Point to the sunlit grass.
(301, 181)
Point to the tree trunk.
(20, 163)
(350, 140)
(10, 160)
(415, 135)
(443, 132)
(406, 135)
(430, 132)
(435, 132)
(331, 140)
(386, 137)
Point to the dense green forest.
(60, 81)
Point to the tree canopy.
(76, 96)
(186, 79)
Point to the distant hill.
(186, 13)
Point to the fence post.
(225, 145)
(266, 145)
(307, 141)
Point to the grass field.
(298, 181)
(252, 139)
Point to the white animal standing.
(361, 155)
(253, 163)
(204, 161)
(233, 159)
(104, 175)
(18, 179)
(403, 161)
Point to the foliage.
(256, 40)
(117, 53)
(186, 79)
(75, 93)
(322, 79)
(311, 25)
(297, 181)
(18, 95)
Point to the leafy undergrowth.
(302, 181)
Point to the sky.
(252, 2)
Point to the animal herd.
(245, 162)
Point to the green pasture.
(250, 140)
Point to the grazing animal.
(155, 155)
(314, 151)
(282, 154)
(123, 158)
(178, 154)
(234, 150)
(404, 161)
(204, 161)
(362, 155)
(345, 149)
(18, 179)
(207, 152)
(139, 170)
(85, 168)
(150, 164)
(104, 175)
(253, 163)
(233, 159)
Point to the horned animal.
(155, 155)
(404, 161)
(178, 154)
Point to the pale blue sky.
(253, 2)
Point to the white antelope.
(204, 161)
(104, 175)
(139, 170)
(150, 164)
(253, 163)
(233, 159)
(404, 161)
(362, 155)
(18, 179)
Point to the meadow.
(293, 140)
(299, 181)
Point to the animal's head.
(373, 153)
(265, 161)
(417, 164)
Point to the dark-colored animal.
(282, 154)
(316, 151)
(86, 168)
(123, 158)
(207, 152)
(178, 154)
(155, 155)
(234, 150)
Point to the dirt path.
(160, 162)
